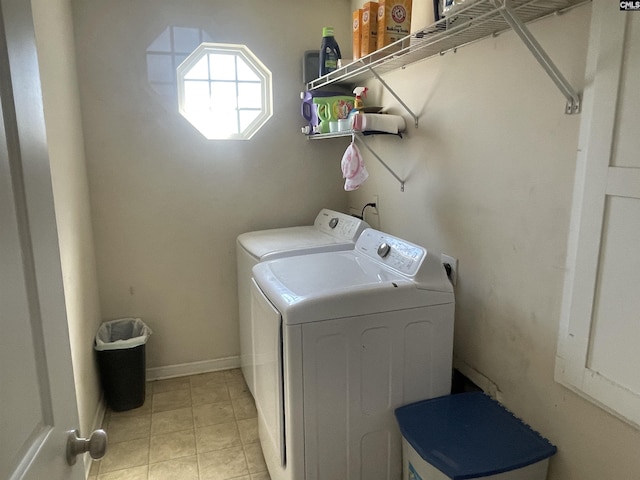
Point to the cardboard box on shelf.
(369, 28)
(394, 21)
(357, 33)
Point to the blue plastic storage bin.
(469, 435)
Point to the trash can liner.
(122, 333)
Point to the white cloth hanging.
(353, 169)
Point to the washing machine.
(331, 231)
(342, 339)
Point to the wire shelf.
(480, 19)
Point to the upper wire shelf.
(480, 19)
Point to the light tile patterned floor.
(202, 427)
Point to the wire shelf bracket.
(398, 99)
(361, 140)
(573, 98)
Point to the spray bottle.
(360, 93)
(355, 117)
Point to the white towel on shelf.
(378, 122)
(353, 169)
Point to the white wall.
(54, 36)
(168, 204)
(489, 180)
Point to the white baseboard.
(184, 369)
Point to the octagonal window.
(224, 91)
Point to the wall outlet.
(375, 199)
(453, 263)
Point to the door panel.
(37, 396)
(18, 359)
(615, 333)
(626, 141)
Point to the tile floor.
(202, 427)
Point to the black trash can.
(120, 348)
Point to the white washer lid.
(332, 285)
(265, 244)
(331, 231)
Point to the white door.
(598, 353)
(37, 395)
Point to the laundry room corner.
(168, 204)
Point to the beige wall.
(54, 36)
(489, 180)
(168, 204)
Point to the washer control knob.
(333, 223)
(384, 249)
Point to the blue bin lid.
(470, 435)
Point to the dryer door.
(269, 386)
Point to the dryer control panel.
(401, 255)
(339, 225)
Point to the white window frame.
(261, 71)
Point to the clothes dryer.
(331, 231)
(342, 339)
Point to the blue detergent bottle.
(329, 52)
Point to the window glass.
(223, 97)
(200, 70)
(249, 95)
(194, 91)
(246, 73)
(223, 67)
(224, 91)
